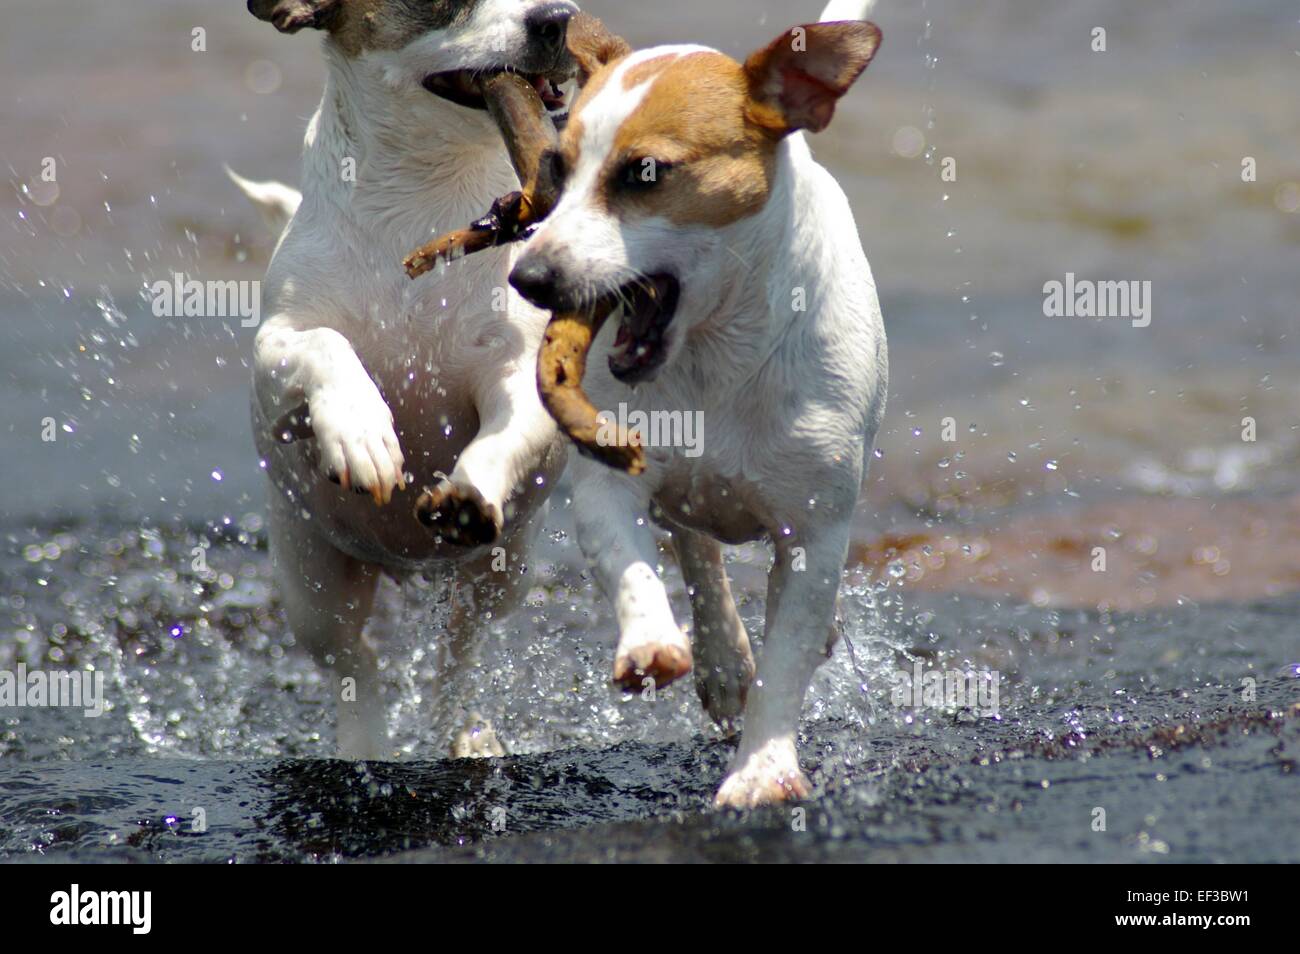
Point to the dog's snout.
(538, 281)
(548, 27)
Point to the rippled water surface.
(210, 708)
(1163, 690)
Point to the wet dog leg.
(724, 665)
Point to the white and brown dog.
(690, 193)
(366, 383)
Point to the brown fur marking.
(695, 118)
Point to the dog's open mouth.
(648, 309)
(463, 88)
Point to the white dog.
(368, 383)
(690, 192)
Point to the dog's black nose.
(538, 281)
(548, 27)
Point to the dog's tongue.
(550, 93)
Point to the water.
(1069, 434)
(211, 709)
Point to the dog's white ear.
(795, 82)
(290, 16)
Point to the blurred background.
(1118, 165)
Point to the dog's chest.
(705, 462)
(447, 321)
(697, 496)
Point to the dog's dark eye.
(642, 175)
(557, 168)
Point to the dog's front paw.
(766, 777)
(662, 660)
(459, 514)
(357, 445)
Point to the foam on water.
(199, 664)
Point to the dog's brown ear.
(290, 16)
(592, 46)
(795, 82)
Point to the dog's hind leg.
(484, 588)
(474, 598)
(480, 589)
(802, 588)
(517, 443)
(328, 597)
(724, 665)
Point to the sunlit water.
(209, 706)
(200, 665)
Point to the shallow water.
(209, 708)
(968, 553)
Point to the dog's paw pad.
(459, 514)
(662, 663)
(477, 740)
(768, 777)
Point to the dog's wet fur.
(691, 198)
(397, 386)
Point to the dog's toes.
(661, 662)
(458, 514)
(770, 776)
(355, 445)
(723, 692)
(477, 740)
(745, 793)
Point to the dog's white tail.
(847, 10)
(275, 201)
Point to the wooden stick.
(561, 363)
(526, 127)
(528, 131)
(511, 216)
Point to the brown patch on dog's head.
(570, 141)
(688, 152)
(360, 25)
(648, 70)
(290, 16)
(700, 148)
